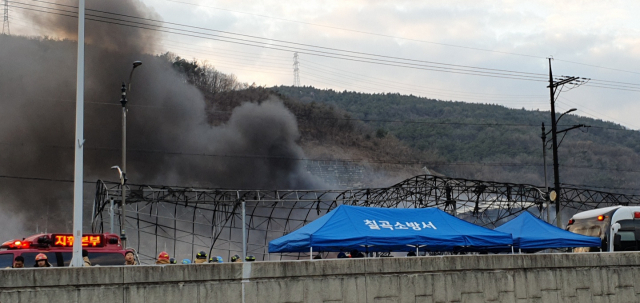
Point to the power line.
(398, 37)
(363, 32)
(409, 121)
(327, 52)
(345, 160)
(597, 66)
(320, 66)
(441, 67)
(602, 187)
(379, 84)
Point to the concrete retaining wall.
(491, 278)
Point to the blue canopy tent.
(385, 229)
(532, 234)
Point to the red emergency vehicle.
(104, 249)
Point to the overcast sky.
(591, 39)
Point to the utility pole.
(296, 70)
(5, 20)
(553, 89)
(554, 139)
(544, 161)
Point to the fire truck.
(104, 249)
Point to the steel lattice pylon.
(184, 221)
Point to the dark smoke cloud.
(106, 35)
(169, 140)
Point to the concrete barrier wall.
(613, 277)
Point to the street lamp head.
(571, 110)
(135, 64)
(123, 178)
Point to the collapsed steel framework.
(183, 220)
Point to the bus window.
(626, 236)
(6, 260)
(30, 258)
(627, 241)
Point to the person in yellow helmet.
(163, 258)
(201, 258)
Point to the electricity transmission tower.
(296, 70)
(5, 20)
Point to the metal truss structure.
(183, 221)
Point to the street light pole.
(123, 173)
(78, 176)
(123, 101)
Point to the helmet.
(40, 257)
(163, 256)
(186, 261)
(219, 259)
(173, 261)
(250, 258)
(235, 258)
(201, 255)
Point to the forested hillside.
(492, 142)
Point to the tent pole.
(512, 252)
(311, 253)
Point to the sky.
(441, 47)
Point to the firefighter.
(186, 261)
(236, 259)
(18, 262)
(42, 261)
(217, 259)
(173, 261)
(250, 258)
(85, 258)
(130, 258)
(163, 258)
(201, 258)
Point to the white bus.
(623, 222)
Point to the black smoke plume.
(169, 140)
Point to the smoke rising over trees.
(169, 139)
